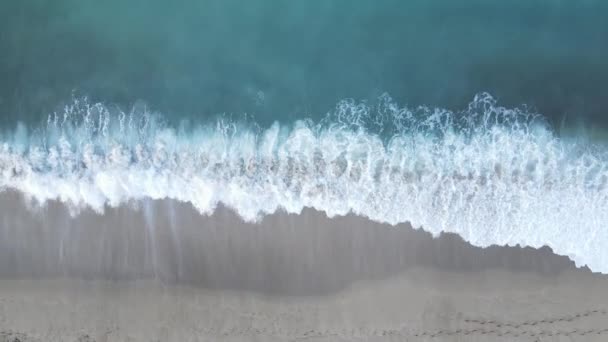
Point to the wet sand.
(159, 271)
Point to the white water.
(490, 174)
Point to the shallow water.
(284, 254)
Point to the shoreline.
(170, 241)
(164, 272)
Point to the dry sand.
(163, 272)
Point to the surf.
(493, 175)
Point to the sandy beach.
(160, 271)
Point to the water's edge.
(283, 253)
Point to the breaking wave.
(490, 174)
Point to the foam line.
(490, 174)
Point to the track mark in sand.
(531, 323)
(522, 329)
(509, 330)
(513, 333)
(315, 334)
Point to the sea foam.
(490, 174)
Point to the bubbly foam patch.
(490, 174)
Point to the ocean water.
(481, 118)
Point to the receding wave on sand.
(286, 253)
(161, 270)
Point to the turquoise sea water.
(284, 60)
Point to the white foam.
(490, 174)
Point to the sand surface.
(420, 304)
(163, 272)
